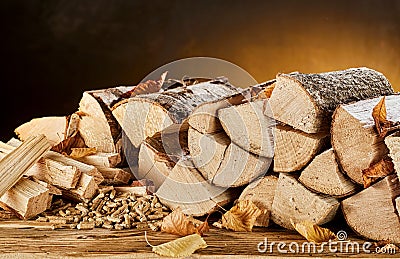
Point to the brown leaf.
(150, 86)
(241, 217)
(312, 232)
(379, 114)
(65, 146)
(380, 169)
(77, 153)
(203, 227)
(181, 247)
(178, 223)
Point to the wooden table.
(101, 243)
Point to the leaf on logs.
(150, 86)
(382, 124)
(378, 170)
(65, 147)
(242, 216)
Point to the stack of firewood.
(298, 146)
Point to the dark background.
(51, 51)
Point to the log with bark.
(323, 175)
(393, 144)
(294, 202)
(26, 199)
(294, 149)
(222, 162)
(52, 127)
(354, 137)
(372, 213)
(261, 192)
(143, 116)
(307, 101)
(248, 127)
(186, 188)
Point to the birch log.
(323, 175)
(295, 202)
(354, 138)
(372, 213)
(307, 101)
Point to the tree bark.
(307, 101)
(294, 149)
(295, 202)
(354, 137)
(371, 212)
(323, 175)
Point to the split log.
(186, 188)
(354, 138)
(294, 149)
(143, 116)
(84, 168)
(371, 212)
(222, 162)
(26, 198)
(323, 175)
(102, 159)
(393, 144)
(18, 161)
(61, 175)
(52, 127)
(85, 189)
(115, 176)
(248, 127)
(261, 192)
(136, 190)
(307, 101)
(52, 189)
(204, 117)
(295, 202)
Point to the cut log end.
(295, 202)
(323, 175)
(371, 212)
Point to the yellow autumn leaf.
(184, 246)
(82, 152)
(241, 217)
(379, 114)
(313, 232)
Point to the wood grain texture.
(354, 138)
(307, 101)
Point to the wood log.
(186, 188)
(204, 117)
(85, 189)
(52, 189)
(294, 149)
(371, 212)
(115, 176)
(323, 175)
(84, 168)
(102, 159)
(248, 127)
(52, 127)
(61, 175)
(393, 144)
(143, 116)
(224, 163)
(307, 101)
(261, 192)
(354, 138)
(295, 202)
(26, 198)
(398, 205)
(18, 161)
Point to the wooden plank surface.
(101, 243)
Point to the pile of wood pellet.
(110, 210)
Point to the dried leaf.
(313, 232)
(241, 217)
(203, 227)
(150, 86)
(181, 247)
(380, 169)
(65, 146)
(77, 153)
(379, 114)
(267, 92)
(178, 223)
